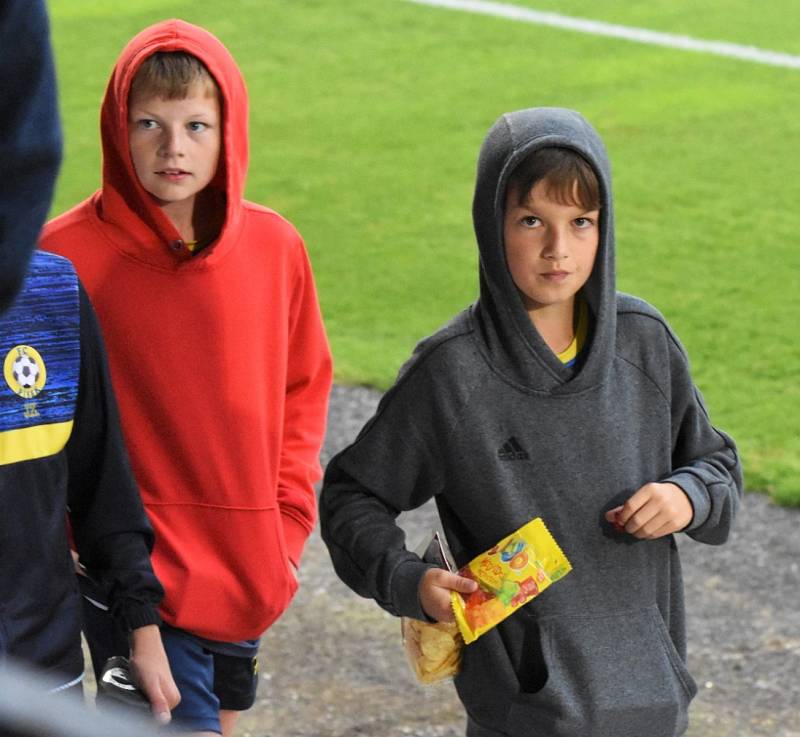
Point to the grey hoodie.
(601, 653)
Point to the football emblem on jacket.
(24, 371)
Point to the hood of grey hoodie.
(513, 344)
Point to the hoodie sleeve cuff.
(698, 496)
(405, 589)
(138, 614)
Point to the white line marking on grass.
(629, 33)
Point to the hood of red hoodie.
(142, 229)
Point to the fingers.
(666, 529)
(462, 585)
(172, 694)
(629, 517)
(648, 528)
(655, 510)
(170, 691)
(157, 694)
(434, 592)
(159, 705)
(450, 581)
(640, 523)
(612, 516)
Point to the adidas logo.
(511, 450)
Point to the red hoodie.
(219, 360)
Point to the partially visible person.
(61, 449)
(30, 136)
(218, 355)
(62, 456)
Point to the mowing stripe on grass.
(628, 33)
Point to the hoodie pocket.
(617, 675)
(228, 580)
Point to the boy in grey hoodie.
(552, 396)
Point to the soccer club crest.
(25, 371)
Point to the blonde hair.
(171, 75)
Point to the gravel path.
(333, 665)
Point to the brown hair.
(170, 75)
(569, 178)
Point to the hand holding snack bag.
(510, 574)
(433, 649)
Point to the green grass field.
(366, 119)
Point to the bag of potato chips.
(513, 572)
(433, 649)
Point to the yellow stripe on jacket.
(28, 443)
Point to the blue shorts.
(207, 681)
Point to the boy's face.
(175, 144)
(550, 247)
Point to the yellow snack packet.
(513, 572)
(433, 649)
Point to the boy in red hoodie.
(217, 352)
